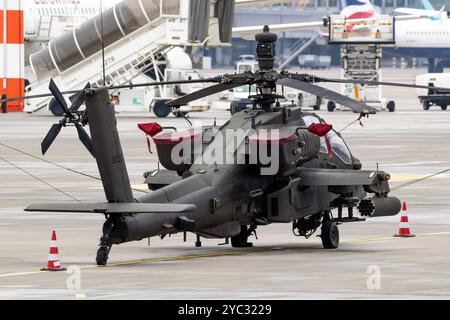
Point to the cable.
(338, 133)
(40, 180)
(412, 182)
(49, 162)
(61, 166)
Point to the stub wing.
(112, 208)
(335, 177)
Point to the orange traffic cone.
(404, 231)
(53, 258)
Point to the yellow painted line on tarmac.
(190, 257)
(215, 254)
(135, 187)
(143, 187)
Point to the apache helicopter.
(316, 172)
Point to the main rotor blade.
(166, 83)
(50, 137)
(85, 139)
(203, 93)
(327, 94)
(58, 96)
(79, 99)
(139, 85)
(380, 83)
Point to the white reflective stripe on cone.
(404, 225)
(53, 257)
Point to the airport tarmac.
(409, 144)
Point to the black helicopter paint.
(316, 174)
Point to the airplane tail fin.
(427, 5)
(357, 9)
(108, 150)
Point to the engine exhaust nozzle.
(379, 207)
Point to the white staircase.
(45, 27)
(125, 59)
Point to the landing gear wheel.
(444, 108)
(426, 105)
(318, 104)
(241, 240)
(161, 109)
(391, 106)
(331, 106)
(330, 235)
(102, 255)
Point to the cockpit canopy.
(338, 145)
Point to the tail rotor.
(72, 117)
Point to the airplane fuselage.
(426, 38)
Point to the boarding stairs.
(361, 53)
(295, 50)
(129, 57)
(45, 27)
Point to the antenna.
(103, 43)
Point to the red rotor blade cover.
(151, 130)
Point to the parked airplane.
(429, 39)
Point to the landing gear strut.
(241, 240)
(112, 234)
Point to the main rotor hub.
(265, 49)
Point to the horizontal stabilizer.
(112, 208)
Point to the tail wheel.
(330, 235)
(102, 255)
(426, 105)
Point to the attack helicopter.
(310, 173)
